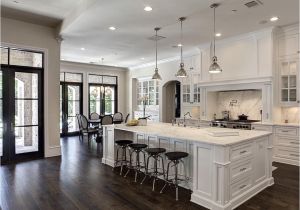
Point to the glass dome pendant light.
(214, 67)
(156, 75)
(181, 72)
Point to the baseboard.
(53, 151)
(286, 161)
(108, 162)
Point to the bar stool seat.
(123, 145)
(123, 142)
(176, 155)
(155, 151)
(137, 146)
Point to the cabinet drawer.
(262, 128)
(241, 151)
(240, 169)
(287, 152)
(240, 186)
(288, 141)
(286, 131)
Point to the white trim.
(47, 148)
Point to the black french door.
(21, 123)
(70, 105)
(103, 99)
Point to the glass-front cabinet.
(289, 84)
(191, 90)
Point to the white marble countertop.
(278, 123)
(193, 134)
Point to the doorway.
(70, 105)
(171, 101)
(22, 113)
(102, 99)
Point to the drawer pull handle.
(244, 151)
(284, 131)
(294, 155)
(294, 142)
(243, 169)
(241, 187)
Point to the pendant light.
(156, 75)
(214, 67)
(181, 72)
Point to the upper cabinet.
(288, 45)
(190, 87)
(288, 65)
(289, 82)
(248, 56)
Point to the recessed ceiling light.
(179, 45)
(142, 58)
(218, 34)
(82, 48)
(274, 19)
(148, 8)
(112, 28)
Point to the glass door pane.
(26, 112)
(73, 107)
(95, 99)
(109, 100)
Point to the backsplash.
(248, 102)
(291, 114)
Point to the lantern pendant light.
(214, 67)
(156, 75)
(181, 72)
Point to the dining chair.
(118, 118)
(107, 120)
(95, 116)
(80, 126)
(86, 129)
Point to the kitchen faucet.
(188, 113)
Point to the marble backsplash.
(248, 102)
(292, 114)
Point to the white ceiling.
(86, 25)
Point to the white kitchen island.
(223, 172)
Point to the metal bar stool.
(175, 158)
(137, 149)
(154, 153)
(123, 145)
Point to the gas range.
(235, 124)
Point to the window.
(21, 57)
(148, 89)
(102, 94)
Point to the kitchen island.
(223, 172)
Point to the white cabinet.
(191, 89)
(288, 45)
(286, 142)
(289, 81)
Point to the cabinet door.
(289, 84)
(288, 45)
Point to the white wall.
(27, 35)
(86, 69)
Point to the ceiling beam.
(79, 9)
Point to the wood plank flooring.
(78, 180)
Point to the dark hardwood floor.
(78, 180)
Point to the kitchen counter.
(193, 134)
(279, 124)
(223, 172)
